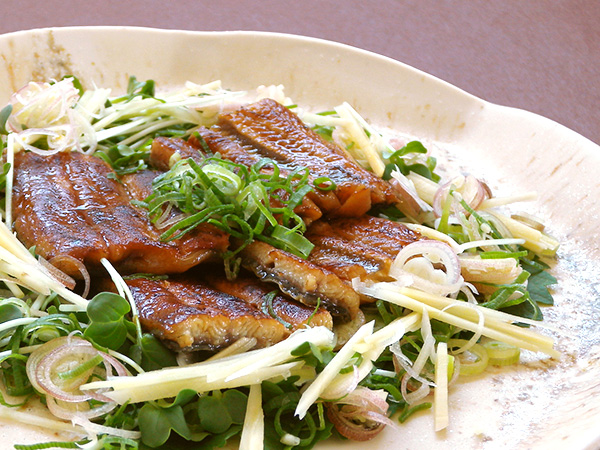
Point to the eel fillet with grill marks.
(269, 129)
(362, 247)
(302, 279)
(345, 248)
(71, 204)
(188, 314)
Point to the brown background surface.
(543, 56)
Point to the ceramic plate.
(540, 404)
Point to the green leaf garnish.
(9, 312)
(145, 89)
(157, 423)
(124, 159)
(539, 280)
(76, 83)
(154, 354)
(398, 161)
(5, 169)
(107, 314)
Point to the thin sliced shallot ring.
(415, 396)
(110, 362)
(402, 360)
(441, 249)
(38, 354)
(408, 202)
(57, 273)
(349, 429)
(373, 416)
(444, 253)
(367, 399)
(479, 191)
(44, 373)
(45, 365)
(59, 259)
(477, 334)
(63, 413)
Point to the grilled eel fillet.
(70, 204)
(268, 129)
(362, 247)
(253, 291)
(301, 279)
(345, 248)
(188, 314)
(165, 151)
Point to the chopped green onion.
(324, 184)
(245, 202)
(407, 412)
(472, 361)
(501, 353)
(81, 368)
(297, 243)
(267, 308)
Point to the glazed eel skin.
(344, 249)
(208, 312)
(71, 204)
(359, 247)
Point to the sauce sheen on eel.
(301, 279)
(188, 313)
(345, 248)
(71, 204)
(362, 247)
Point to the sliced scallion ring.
(501, 353)
(227, 181)
(472, 361)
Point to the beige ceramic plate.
(541, 404)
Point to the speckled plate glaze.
(540, 404)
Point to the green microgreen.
(110, 327)
(76, 83)
(154, 354)
(107, 313)
(125, 160)
(135, 88)
(3, 174)
(156, 423)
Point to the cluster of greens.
(532, 284)
(249, 203)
